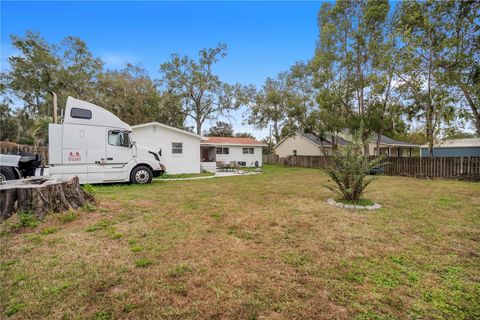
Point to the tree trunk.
(473, 107)
(334, 142)
(384, 110)
(276, 132)
(199, 126)
(41, 196)
(379, 136)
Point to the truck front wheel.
(7, 173)
(141, 175)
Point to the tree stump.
(41, 196)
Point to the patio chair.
(224, 166)
(219, 165)
(233, 166)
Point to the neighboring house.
(307, 144)
(304, 144)
(180, 148)
(246, 152)
(392, 148)
(469, 147)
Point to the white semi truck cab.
(95, 145)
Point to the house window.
(177, 147)
(118, 138)
(221, 150)
(80, 113)
(294, 152)
(247, 150)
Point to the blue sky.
(263, 38)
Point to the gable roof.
(231, 141)
(327, 141)
(316, 140)
(313, 138)
(457, 143)
(158, 124)
(391, 142)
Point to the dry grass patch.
(254, 247)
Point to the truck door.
(118, 153)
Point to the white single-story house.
(305, 144)
(308, 144)
(469, 147)
(246, 152)
(180, 148)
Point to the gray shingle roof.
(393, 142)
(313, 138)
(327, 141)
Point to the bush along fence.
(438, 167)
(14, 148)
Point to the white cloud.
(115, 60)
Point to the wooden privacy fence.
(442, 167)
(10, 147)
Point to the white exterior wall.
(156, 137)
(236, 154)
(299, 143)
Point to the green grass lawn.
(250, 247)
(186, 175)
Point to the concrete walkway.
(218, 174)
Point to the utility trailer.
(93, 144)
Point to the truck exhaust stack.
(54, 96)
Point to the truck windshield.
(118, 138)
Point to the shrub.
(350, 168)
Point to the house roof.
(316, 140)
(340, 141)
(457, 143)
(392, 142)
(158, 124)
(231, 141)
(327, 141)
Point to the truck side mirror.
(160, 152)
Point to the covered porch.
(207, 154)
(399, 151)
(208, 158)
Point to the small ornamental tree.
(350, 168)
